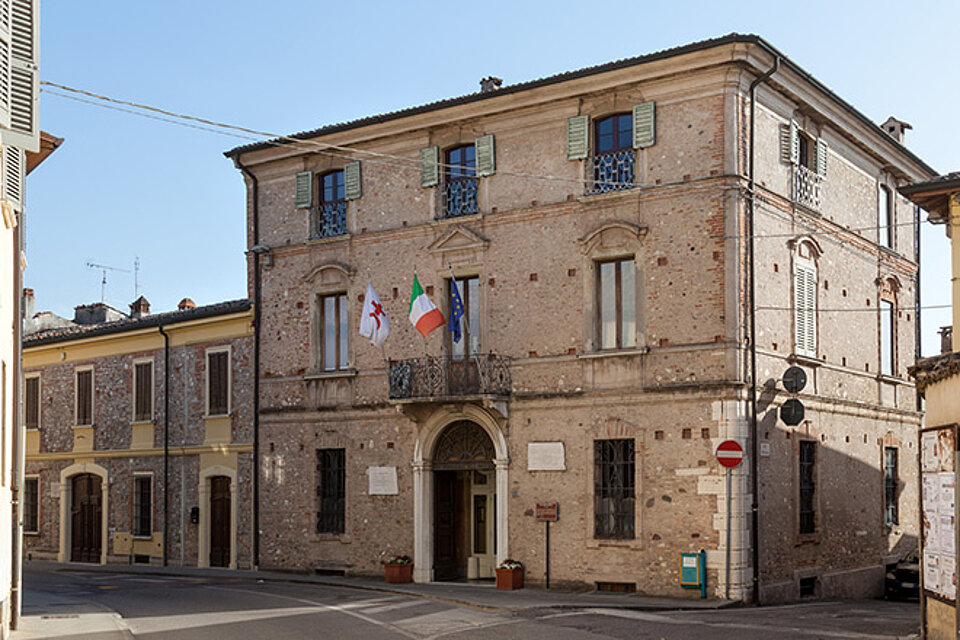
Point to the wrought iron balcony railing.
(807, 187)
(431, 377)
(611, 171)
(331, 220)
(459, 197)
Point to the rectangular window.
(614, 481)
(805, 307)
(890, 477)
(460, 181)
(808, 461)
(84, 400)
(469, 343)
(31, 402)
(143, 506)
(143, 391)
(333, 332)
(617, 304)
(332, 213)
(887, 339)
(31, 505)
(218, 382)
(885, 218)
(331, 485)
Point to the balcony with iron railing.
(459, 197)
(612, 171)
(330, 220)
(441, 377)
(807, 187)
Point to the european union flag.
(456, 312)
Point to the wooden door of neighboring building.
(219, 521)
(85, 518)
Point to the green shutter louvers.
(304, 190)
(486, 159)
(429, 161)
(822, 152)
(351, 180)
(644, 125)
(578, 139)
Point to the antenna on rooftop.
(103, 283)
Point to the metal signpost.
(729, 455)
(548, 512)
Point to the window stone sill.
(809, 361)
(331, 375)
(613, 353)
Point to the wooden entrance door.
(219, 521)
(447, 525)
(85, 518)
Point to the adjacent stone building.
(139, 436)
(598, 226)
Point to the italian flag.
(424, 315)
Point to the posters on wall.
(938, 495)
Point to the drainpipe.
(917, 332)
(166, 443)
(751, 286)
(257, 250)
(17, 448)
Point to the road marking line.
(395, 606)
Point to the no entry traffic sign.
(730, 454)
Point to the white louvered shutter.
(794, 143)
(486, 158)
(14, 167)
(352, 188)
(578, 138)
(5, 63)
(822, 152)
(429, 161)
(24, 76)
(805, 308)
(304, 190)
(644, 125)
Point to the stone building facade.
(597, 224)
(139, 437)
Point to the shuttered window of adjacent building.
(805, 307)
(890, 478)
(31, 505)
(218, 383)
(31, 402)
(331, 490)
(143, 506)
(84, 391)
(143, 391)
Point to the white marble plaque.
(545, 456)
(382, 481)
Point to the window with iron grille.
(31, 402)
(331, 481)
(460, 181)
(614, 482)
(890, 476)
(143, 506)
(331, 219)
(617, 304)
(84, 400)
(808, 460)
(218, 382)
(31, 505)
(143, 391)
(613, 155)
(334, 332)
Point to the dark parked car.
(903, 578)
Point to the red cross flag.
(373, 320)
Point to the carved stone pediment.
(458, 238)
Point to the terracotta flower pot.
(509, 579)
(398, 573)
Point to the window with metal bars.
(84, 402)
(334, 332)
(617, 304)
(613, 154)
(808, 461)
(143, 506)
(218, 383)
(460, 181)
(143, 391)
(890, 476)
(31, 505)
(31, 402)
(614, 482)
(331, 219)
(331, 494)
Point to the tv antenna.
(104, 268)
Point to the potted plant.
(510, 575)
(398, 569)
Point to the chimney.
(29, 304)
(896, 129)
(185, 304)
(946, 339)
(491, 83)
(139, 308)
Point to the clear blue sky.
(124, 186)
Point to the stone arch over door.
(429, 439)
(204, 530)
(66, 502)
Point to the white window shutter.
(304, 190)
(24, 78)
(805, 308)
(794, 143)
(486, 158)
(822, 152)
(644, 125)
(785, 143)
(5, 63)
(578, 137)
(14, 166)
(429, 161)
(352, 188)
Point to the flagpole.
(466, 325)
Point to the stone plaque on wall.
(382, 481)
(545, 456)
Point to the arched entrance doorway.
(85, 518)
(464, 540)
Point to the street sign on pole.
(792, 412)
(794, 379)
(730, 454)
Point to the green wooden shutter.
(578, 137)
(304, 190)
(486, 159)
(24, 76)
(822, 151)
(644, 125)
(351, 180)
(429, 161)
